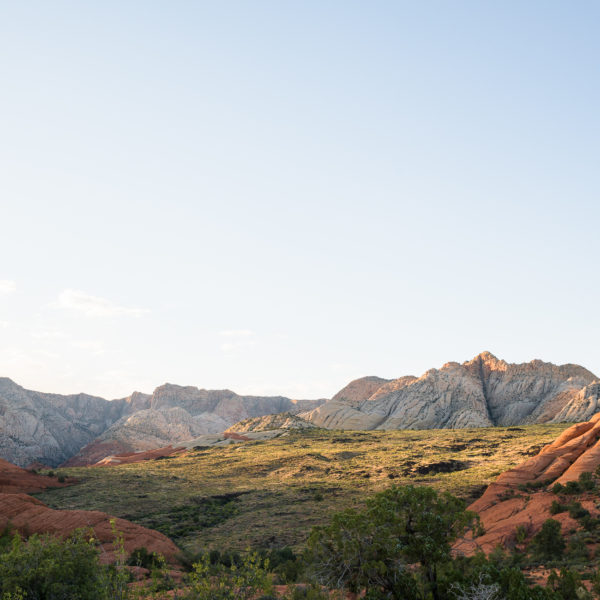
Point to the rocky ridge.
(521, 497)
(269, 423)
(482, 392)
(53, 429)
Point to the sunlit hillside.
(270, 493)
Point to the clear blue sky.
(278, 197)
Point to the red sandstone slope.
(28, 515)
(135, 457)
(503, 507)
(14, 480)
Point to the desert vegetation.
(321, 514)
(270, 494)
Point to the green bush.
(140, 557)
(567, 585)
(48, 568)
(576, 511)
(248, 580)
(548, 543)
(586, 481)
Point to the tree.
(400, 526)
(548, 543)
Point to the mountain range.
(52, 429)
(483, 392)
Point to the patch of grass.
(285, 486)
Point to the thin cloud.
(7, 286)
(93, 306)
(4, 324)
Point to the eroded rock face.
(504, 506)
(81, 429)
(50, 428)
(269, 423)
(482, 392)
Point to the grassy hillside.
(270, 494)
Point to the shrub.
(548, 543)
(573, 487)
(249, 580)
(586, 481)
(48, 568)
(567, 585)
(576, 511)
(558, 488)
(140, 557)
(556, 507)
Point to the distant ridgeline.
(483, 392)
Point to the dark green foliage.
(566, 584)
(140, 557)
(586, 481)
(558, 488)
(589, 523)
(400, 526)
(573, 487)
(47, 568)
(576, 511)
(533, 485)
(548, 543)
(576, 549)
(285, 564)
(199, 513)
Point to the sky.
(278, 197)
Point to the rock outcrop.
(14, 480)
(81, 429)
(269, 423)
(50, 428)
(521, 497)
(482, 392)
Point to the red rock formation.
(13, 480)
(95, 452)
(135, 457)
(28, 515)
(504, 507)
(231, 435)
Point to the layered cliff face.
(49, 427)
(482, 392)
(53, 429)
